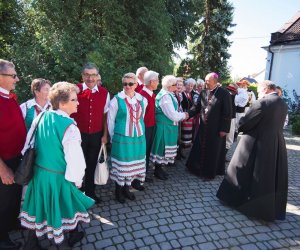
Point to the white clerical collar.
(272, 93)
(150, 92)
(95, 89)
(4, 91)
(214, 88)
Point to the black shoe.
(119, 194)
(159, 173)
(164, 172)
(136, 184)
(128, 194)
(75, 236)
(95, 198)
(8, 244)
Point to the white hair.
(150, 75)
(168, 81)
(190, 81)
(200, 81)
(141, 70)
(129, 75)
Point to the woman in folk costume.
(164, 147)
(187, 103)
(53, 203)
(127, 131)
(39, 103)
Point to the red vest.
(149, 118)
(12, 129)
(139, 88)
(89, 117)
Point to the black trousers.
(91, 144)
(10, 200)
(149, 140)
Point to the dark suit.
(257, 176)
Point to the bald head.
(211, 80)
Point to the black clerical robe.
(207, 156)
(256, 182)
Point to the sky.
(255, 21)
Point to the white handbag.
(102, 170)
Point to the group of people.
(73, 121)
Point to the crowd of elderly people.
(73, 121)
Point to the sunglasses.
(14, 76)
(129, 84)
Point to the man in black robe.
(256, 182)
(207, 156)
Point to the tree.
(209, 39)
(9, 19)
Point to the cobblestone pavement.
(183, 213)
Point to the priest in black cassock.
(256, 182)
(207, 156)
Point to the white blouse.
(168, 109)
(27, 105)
(71, 142)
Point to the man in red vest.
(13, 135)
(91, 121)
(151, 82)
(140, 76)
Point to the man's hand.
(222, 134)
(6, 174)
(186, 116)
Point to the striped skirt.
(187, 133)
(164, 147)
(128, 159)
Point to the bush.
(296, 125)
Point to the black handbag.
(24, 171)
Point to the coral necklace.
(132, 111)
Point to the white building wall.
(286, 68)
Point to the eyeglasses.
(74, 100)
(14, 76)
(90, 75)
(129, 84)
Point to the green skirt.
(128, 159)
(53, 205)
(164, 147)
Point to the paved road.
(183, 213)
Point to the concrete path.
(183, 213)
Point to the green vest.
(121, 118)
(48, 141)
(30, 115)
(159, 114)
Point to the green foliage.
(9, 20)
(295, 120)
(208, 39)
(253, 87)
(53, 39)
(57, 37)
